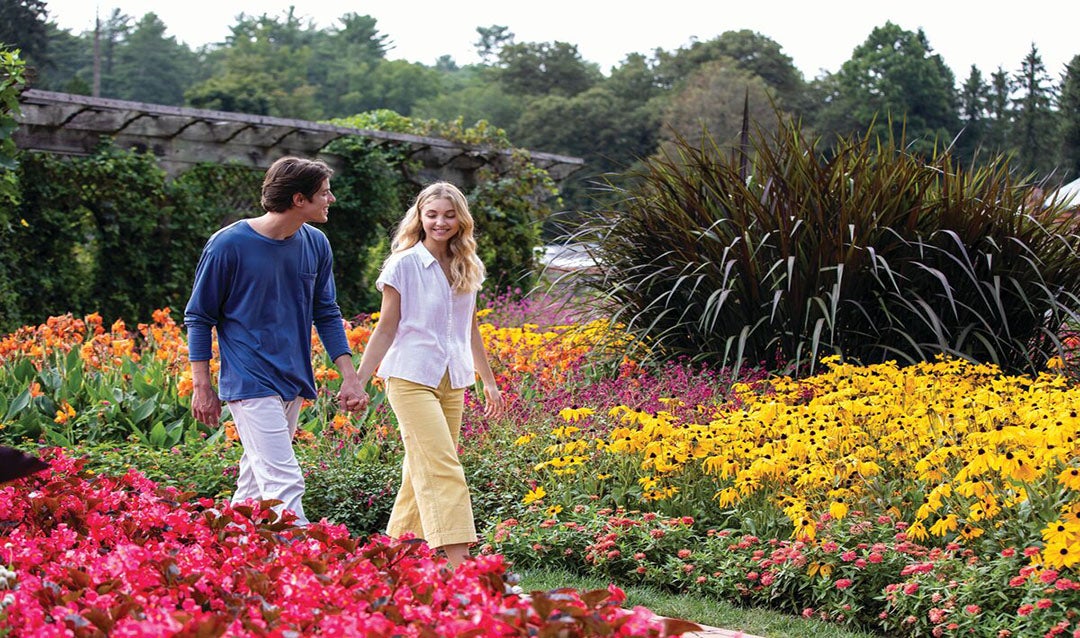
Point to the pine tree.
(1069, 113)
(22, 26)
(974, 107)
(1000, 129)
(1035, 119)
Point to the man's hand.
(351, 397)
(206, 405)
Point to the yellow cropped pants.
(433, 502)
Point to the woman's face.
(439, 219)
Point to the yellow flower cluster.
(952, 447)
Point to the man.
(262, 283)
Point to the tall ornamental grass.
(865, 251)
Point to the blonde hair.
(466, 270)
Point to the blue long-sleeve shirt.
(263, 295)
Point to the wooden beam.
(74, 124)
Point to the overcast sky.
(817, 35)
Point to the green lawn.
(715, 613)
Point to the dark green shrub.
(352, 485)
(203, 199)
(494, 488)
(371, 197)
(12, 81)
(868, 252)
(90, 236)
(509, 201)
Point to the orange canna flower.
(65, 413)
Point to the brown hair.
(289, 176)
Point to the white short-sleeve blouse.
(434, 334)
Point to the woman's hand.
(493, 401)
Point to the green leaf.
(144, 410)
(18, 405)
(158, 435)
(367, 452)
(57, 438)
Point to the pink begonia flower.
(153, 563)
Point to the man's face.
(317, 209)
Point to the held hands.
(352, 397)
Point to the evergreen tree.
(345, 63)
(1069, 110)
(999, 99)
(894, 77)
(70, 64)
(492, 40)
(151, 67)
(112, 33)
(974, 104)
(263, 68)
(22, 27)
(1034, 120)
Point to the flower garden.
(935, 499)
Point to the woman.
(427, 346)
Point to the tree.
(974, 99)
(469, 93)
(446, 64)
(710, 102)
(634, 80)
(1069, 110)
(360, 34)
(999, 107)
(894, 77)
(70, 62)
(151, 67)
(1034, 118)
(492, 40)
(111, 34)
(751, 52)
(22, 26)
(262, 69)
(398, 85)
(545, 68)
(345, 59)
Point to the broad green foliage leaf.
(17, 405)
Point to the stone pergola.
(179, 137)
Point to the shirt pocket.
(307, 288)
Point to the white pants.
(268, 467)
